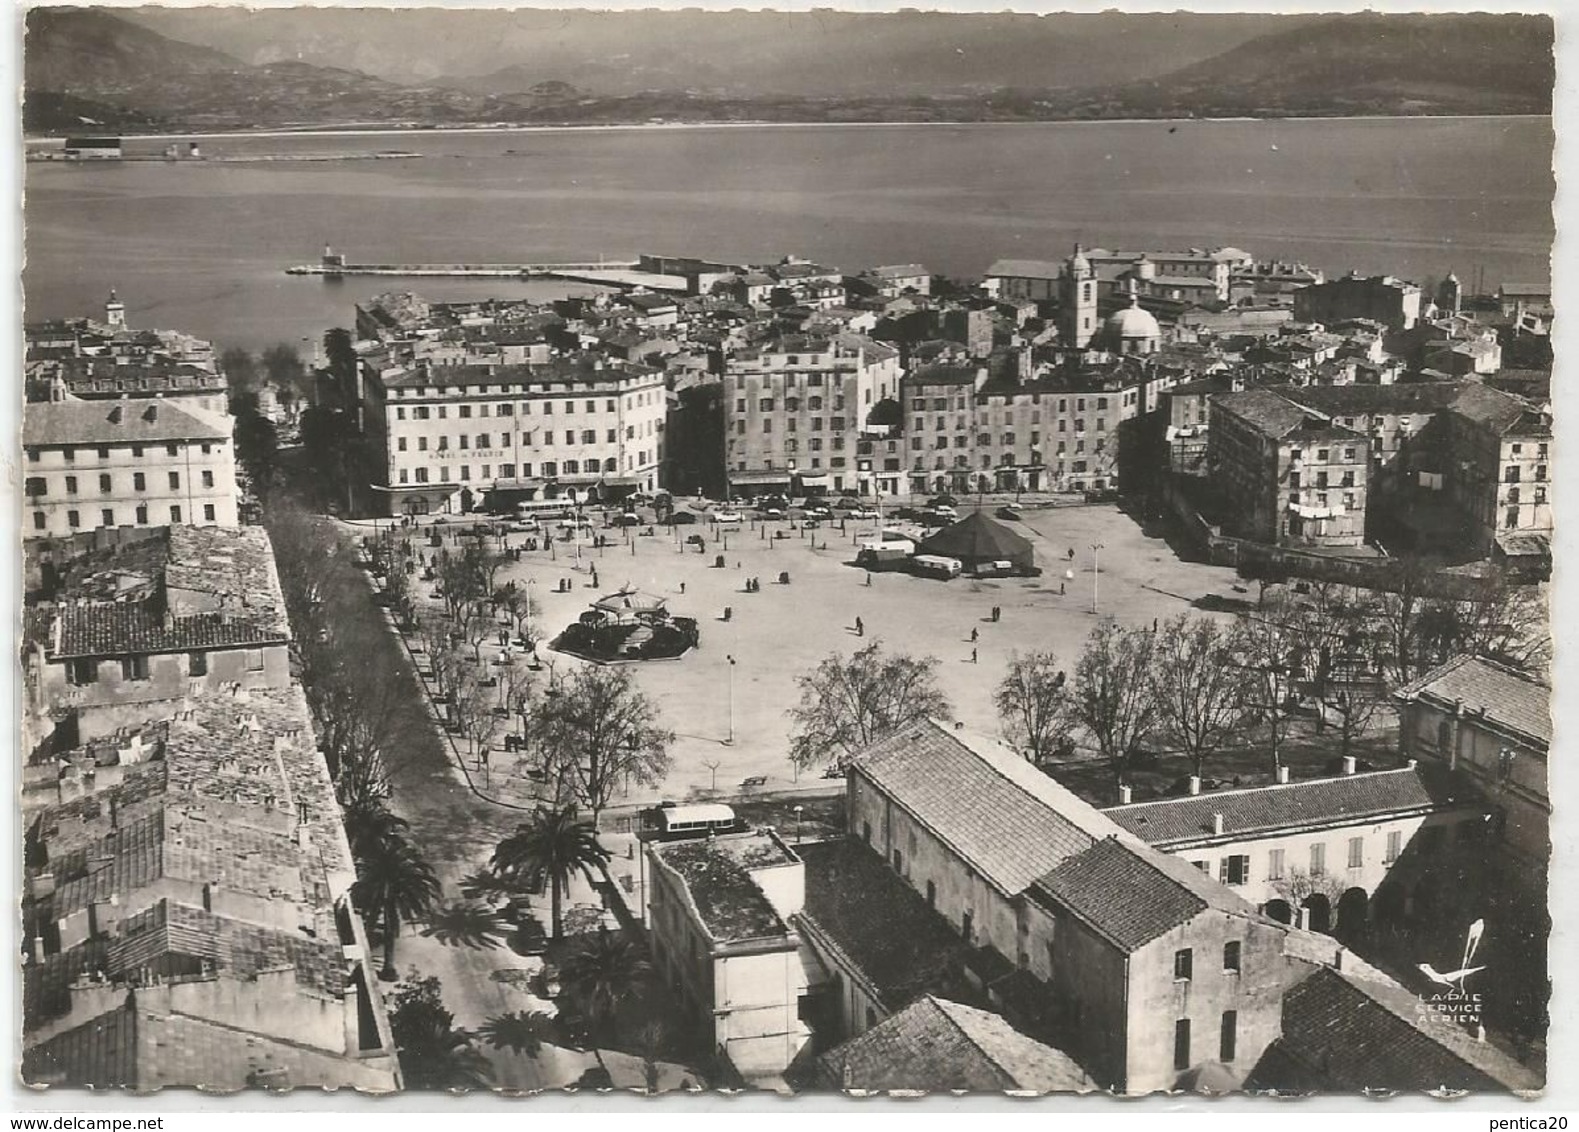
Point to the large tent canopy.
(978, 538)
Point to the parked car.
(728, 518)
(818, 511)
(943, 511)
(628, 519)
(864, 513)
(770, 511)
(1011, 511)
(846, 502)
(942, 501)
(681, 518)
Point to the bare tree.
(1113, 695)
(1032, 703)
(476, 626)
(1355, 709)
(1400, 607)
(524, 610)
(847, 704)
(1201, 691)
(473, 714)
(598, 729)
(1273, 650)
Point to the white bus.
(676, 822)
(544, 509)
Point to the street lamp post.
(798, 809)
(1096, 577)
(730, 742)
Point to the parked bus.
(544, 509)
(674, 823)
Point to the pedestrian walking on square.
(975, 635)
(860, 627)
(973, 656)
(682, 587)
(868, 577)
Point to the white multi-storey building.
(134, 462)
(797, 416)
(454, 433)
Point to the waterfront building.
(1390, 301)
(798, 416)
(1023, 280)
(452, 435)
(894, 280)
(1270, 284)
(128, 462)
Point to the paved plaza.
(781, 631)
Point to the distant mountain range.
(224, 68)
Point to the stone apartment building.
(1372, 838)
(1473, 455)
(1284, 474)
(456, 433)
(187, 921)
(1392, 302)
(150, 616)
(1492, 726)
(722, 914)
(797, 416)
(132, 461)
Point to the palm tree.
(395, 883)
(368, 825)
(603, 972)
(474, 926)
(436, 1056)
(553, 846)
(521, 1031)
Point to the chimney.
(1348, 764)
(210, 895)
(1217, 825)
(1125, 794)
(1412, 763)
(1195, 784)
(1282, 775)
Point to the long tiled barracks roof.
(1002, 816)
(1261, 811)
(1022, 831)
(1490, 691)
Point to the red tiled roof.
(1262, 810)
(1001, 815)
(1505, 697)
(1351, 1033)
(1120, 893)
(937, 1045)
(880, 924)
(124, 630)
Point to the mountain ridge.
(86, 66)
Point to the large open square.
(781, 631)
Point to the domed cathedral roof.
(1132, 322)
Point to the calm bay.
(202, 246)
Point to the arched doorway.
(1388, 907)
(1353, 909)
(1280, 911)
(1317, 911)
